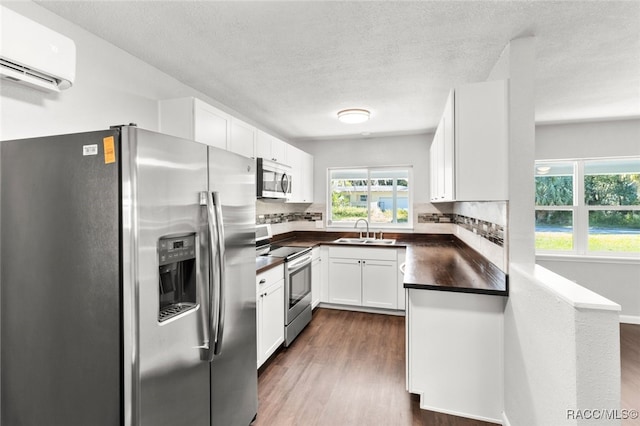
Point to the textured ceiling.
(291, 66)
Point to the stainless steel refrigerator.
(127, 281)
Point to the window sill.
(589, 258)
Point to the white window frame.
(581, 213)
(377, 226)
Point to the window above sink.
(381, 195)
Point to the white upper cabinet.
(469, 149)
(307, 174)
(442, 160)
(243, 138)
(302, 169)
(190, 118)
(271, 148)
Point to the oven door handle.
(298, 264)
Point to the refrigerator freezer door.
(168, 176)
(234, 387)
(61, 299)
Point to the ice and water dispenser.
(177, 267)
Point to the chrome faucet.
(365, 221)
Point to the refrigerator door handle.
(215, 196)
(212, 320)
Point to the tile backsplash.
(485, 229)
(490, 231)
(288, 217)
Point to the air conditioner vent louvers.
(34, 55)
(27, 71)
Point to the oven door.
(297, 287)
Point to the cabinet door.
(279, 151)
(437, 165)
(263, 145)
(316, 279)
(272, 319)
(481, 141)
(442, 156)
(211, 126)
(447, 139)
(242, 138)
(295, 161)
(345, 285)
(307, 177)
(379, 284)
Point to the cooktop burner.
(287, 251)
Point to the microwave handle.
(285, 183)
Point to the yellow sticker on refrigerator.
(109, 150)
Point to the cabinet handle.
(262, 281)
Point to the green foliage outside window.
(607, 219)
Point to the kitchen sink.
(368, 241)
(383, 241)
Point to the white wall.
(559, 356)
(618, 281)
(561, 340)
(111, 87)
(410, 150)
(587, 140)
(406, 150)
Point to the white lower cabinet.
(345, 281)
(270, 312)
(316, 276)
(455, 352)
(379, 288)
(363, 277)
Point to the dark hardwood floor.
(630, 366)
(346, 368)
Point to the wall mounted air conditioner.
(34, 55)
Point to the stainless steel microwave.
(273, 180)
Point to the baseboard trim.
(630, 319)
(361, 309)
(459, 414)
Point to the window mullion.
(581, 214)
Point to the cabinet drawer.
(271, 276)
(363, 253)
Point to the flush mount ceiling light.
(353, 116)
(543, 170)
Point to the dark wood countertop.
(433, 261)
(451, 265)
(264, 263)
